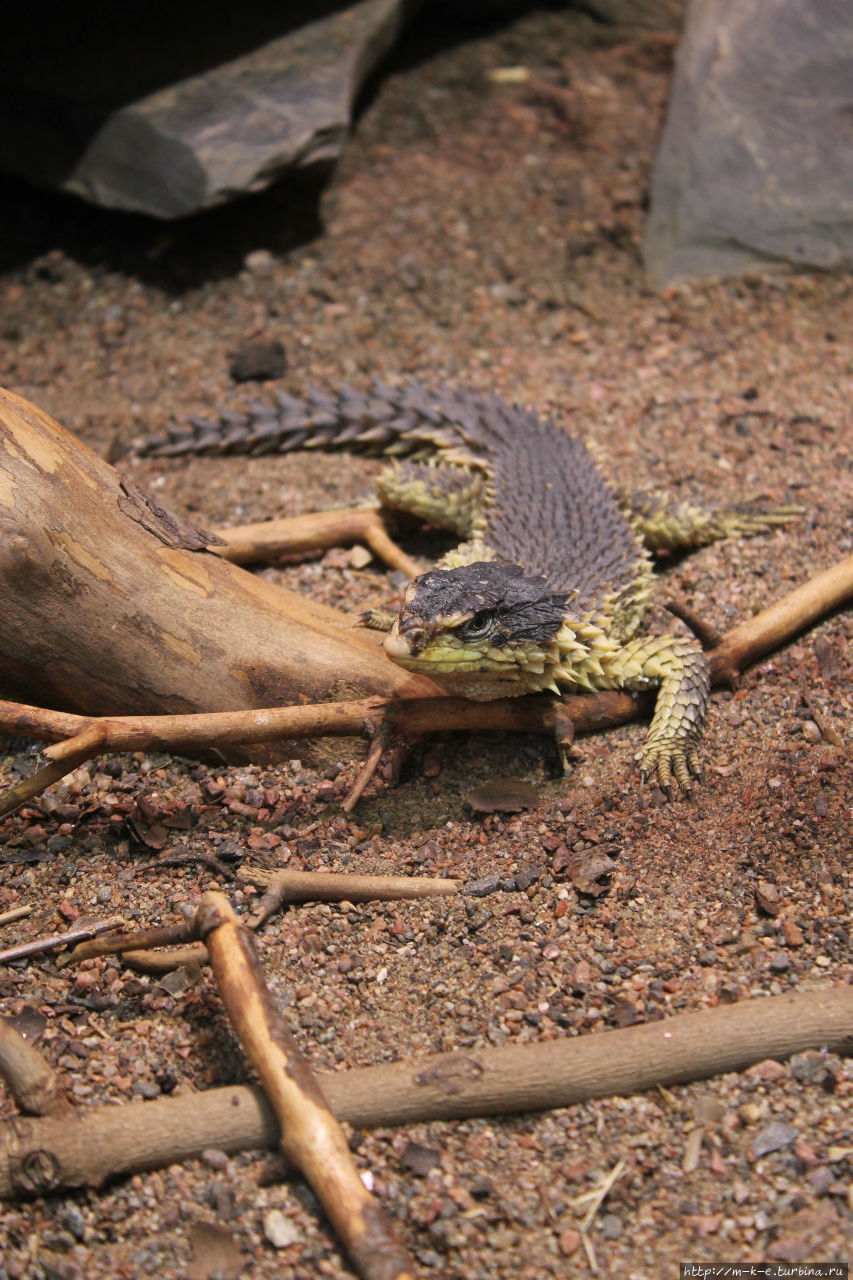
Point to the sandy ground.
(478, 232)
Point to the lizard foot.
(668, 760)
(376, 619)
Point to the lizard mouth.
(399, 648)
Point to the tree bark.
(112, 606)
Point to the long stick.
(110, 1140)
(310, 1135)
(220, 729)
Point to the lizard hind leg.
(665, 524)
(450, 496)
(679, 668)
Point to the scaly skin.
(550, 584)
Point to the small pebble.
(257, 362)
(73, 1221)
(483, 887)
(280, 1230)
(611, 1226)
(260, 262)
(773, 1137)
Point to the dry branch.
(772, 627)
(112, 944)
(195, 733)
(38, 1156)
(310, 1136)
(167, 961)
(283, 885)
(320, 886)
(250, 543)
(53, 941)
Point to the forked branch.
(310, 1135)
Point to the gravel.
(485, 232)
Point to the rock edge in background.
(754, 166)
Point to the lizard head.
(486, 630)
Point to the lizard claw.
(669, 761)
(376, 619)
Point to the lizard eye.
(481, 625)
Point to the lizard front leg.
(679, 668)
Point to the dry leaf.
(503, 795)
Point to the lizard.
(548, 587)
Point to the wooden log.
(113, 606)
(38, 1156)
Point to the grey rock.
(483, 887)
(754, 165)
(773, 1137)
(73, 1221)
(611, 1226)
(193, 142)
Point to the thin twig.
(316, 531)
(15, 913)
(381, 739)
(70, 754)
(167, 961)
(709, 637)
(589, 1250)
(221, 729)
(596, 1197)
(116, 943)
(56, 940)
(179, 856)
(310, 1135)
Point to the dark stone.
(258, 361)
(754, 163)
(483, 887)
(177, 110)
(420, 1159)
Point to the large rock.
(75, 118)
(755, 163)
